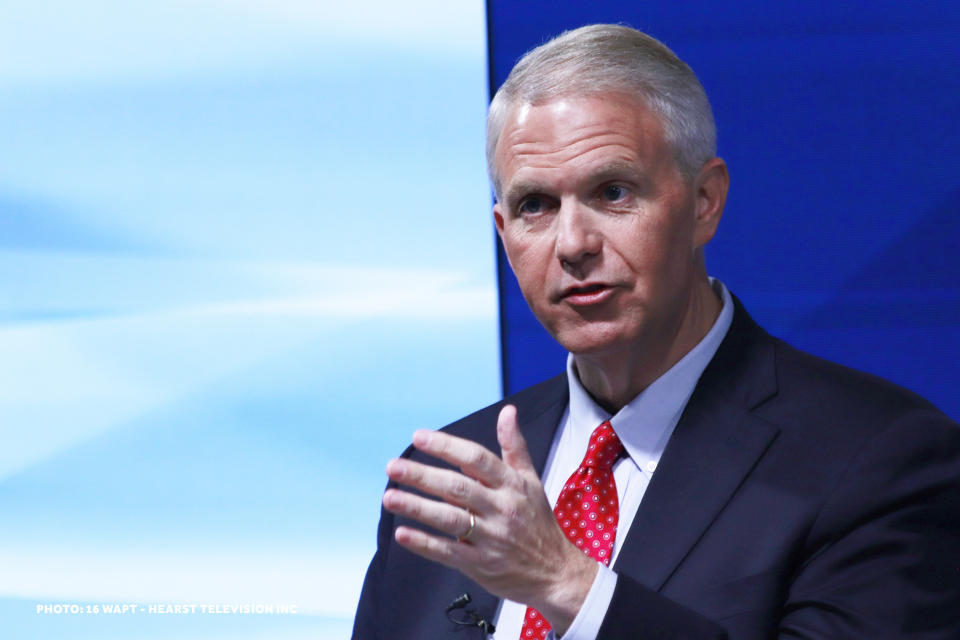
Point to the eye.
(532, 205)
(613, 193)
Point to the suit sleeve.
(369, 608)
(883, 557)
(881, 560)
(365, 622)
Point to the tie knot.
(604, 447)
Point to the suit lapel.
(540, 421)
(710, 453)
(714, 447)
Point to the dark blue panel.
(839, 123)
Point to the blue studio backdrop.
(839, 124)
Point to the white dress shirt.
(644, 427)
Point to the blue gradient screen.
(246, 250)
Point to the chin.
(594, 342)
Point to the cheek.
(660, 242)
(529, 270)
(531, 263)
(527, 252)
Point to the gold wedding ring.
(466, 534)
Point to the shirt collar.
(646, 423)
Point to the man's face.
(599, 226)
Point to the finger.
(513, 447)
(441, 516)
(449, 485)
(446, 551)
(473, 459)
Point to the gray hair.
(609, 58)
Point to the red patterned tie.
(587, 511)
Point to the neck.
(616, 377)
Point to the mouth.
(587, 294)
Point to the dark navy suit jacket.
(795, 499)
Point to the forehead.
(574, 133)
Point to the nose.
(578, 237)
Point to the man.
(734, 487)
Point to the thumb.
(513, 448)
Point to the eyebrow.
(518, 190)
(615, 170)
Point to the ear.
(498, 218)
(710, 194)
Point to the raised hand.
(512, 546)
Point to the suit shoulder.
(817, 390)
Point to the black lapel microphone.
(469, 617)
